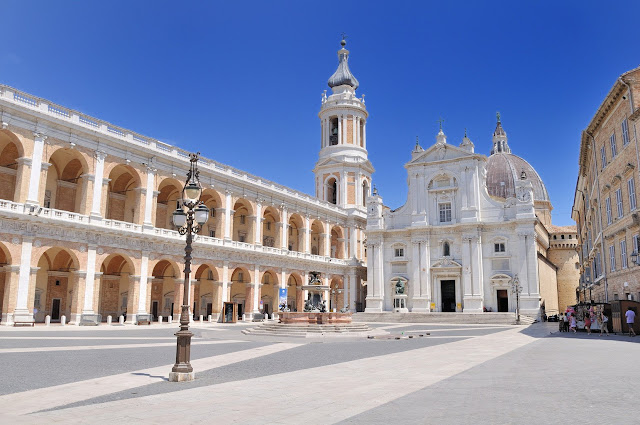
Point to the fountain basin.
(314, 318)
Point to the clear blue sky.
(241, 81)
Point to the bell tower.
(343, 171)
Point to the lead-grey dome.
(343, 75)
(502, 171)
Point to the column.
(258, 224)
(149, 196)
(425, 280)
(132, 298)
(343, 189)
(284, 236)
(354, 138)
(307, 235)
(283, 284)
(352, 286)
(364, 135)
(256, 289)
(90, 280)
(466, 265)
(227, 215)
(96, 211)
(415, 268)
(356, 132)
(22, 312)
(340, 130)
(327, 241)
(144, 282)
(353, 241)
(79, 280)
(304, 292)
(36, 168)
(358, 185)
(224, 286)
(11, 279)
(344, 129)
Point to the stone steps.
(304, 331)
(454, 318)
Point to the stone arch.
(241, 291)
(66, 183)
(336, 294)
(295, 295)
(317, 237)
(295, 233)
(269, 291)
(5, 292)
(123, 201)
(337, 242)
(215, 225)
(56, 284)
(11, 169)
(331, 189)
(117, 294)
(271, 223)
(166, 287)
(243, 221)
(170, 192)
(365, 192)
(206, 292)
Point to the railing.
(11, 206)
(77, 118)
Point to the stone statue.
(344, 309)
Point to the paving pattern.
(458, 374)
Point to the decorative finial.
(465, 132)
(498, 116)
(417, 143)
(440, 121)
(344, 40)
(375, 190)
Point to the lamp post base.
(181, 376)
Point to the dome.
(502, 171)
(343, 75)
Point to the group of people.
(569, 321)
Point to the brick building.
(605, 204)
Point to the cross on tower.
(440, 121)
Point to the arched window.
(332, 191)
(365, 193)
(446, 250)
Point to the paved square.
(458, 374)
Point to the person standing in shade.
(604, 323)
(565, 323)
(631, 318)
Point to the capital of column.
(100, 155)
(82, 274)
(39, 135)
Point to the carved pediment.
(446, 263)
(441, 152)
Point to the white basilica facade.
(470, 225)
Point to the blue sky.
(241, 81)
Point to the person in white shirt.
(631, 318)
(604, 323)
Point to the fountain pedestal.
(314, 318)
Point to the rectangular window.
(612, 141)
(631, 185)
(607, 203)
(598, 265)
(625, 132)
(212, 233)
(619, 202)
(243, 219)
(399, 252)
(445, 212)
(623, 253)
(603, 157)
(636, 241)
(498, 247)
(612, 257)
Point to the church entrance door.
(448, 291)
(503, 301)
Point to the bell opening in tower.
(333, 138)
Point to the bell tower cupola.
(343, 171)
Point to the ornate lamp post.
(516, 288)
(188, 219)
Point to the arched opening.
(269, 292)
(56, 283)
(337, 242)
(5, 260)
(165, 299)
(116, 297)
(365, 192)
(170, 193)
(66, 184)
(295, 233)
(242, 222)
(295, 295)
(207, 296)
(270, 227)
(214, 228)
(317, 236)
(332, 190)
(241, 292)
(10, 151)
(336, 299)
(123, 203)
(333, 131)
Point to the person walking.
(604, 323)
(587, 323)
(631, 318)
(572, 322)
(565, 322)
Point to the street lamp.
(634, 258)
(516, 289)
(188, 218)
